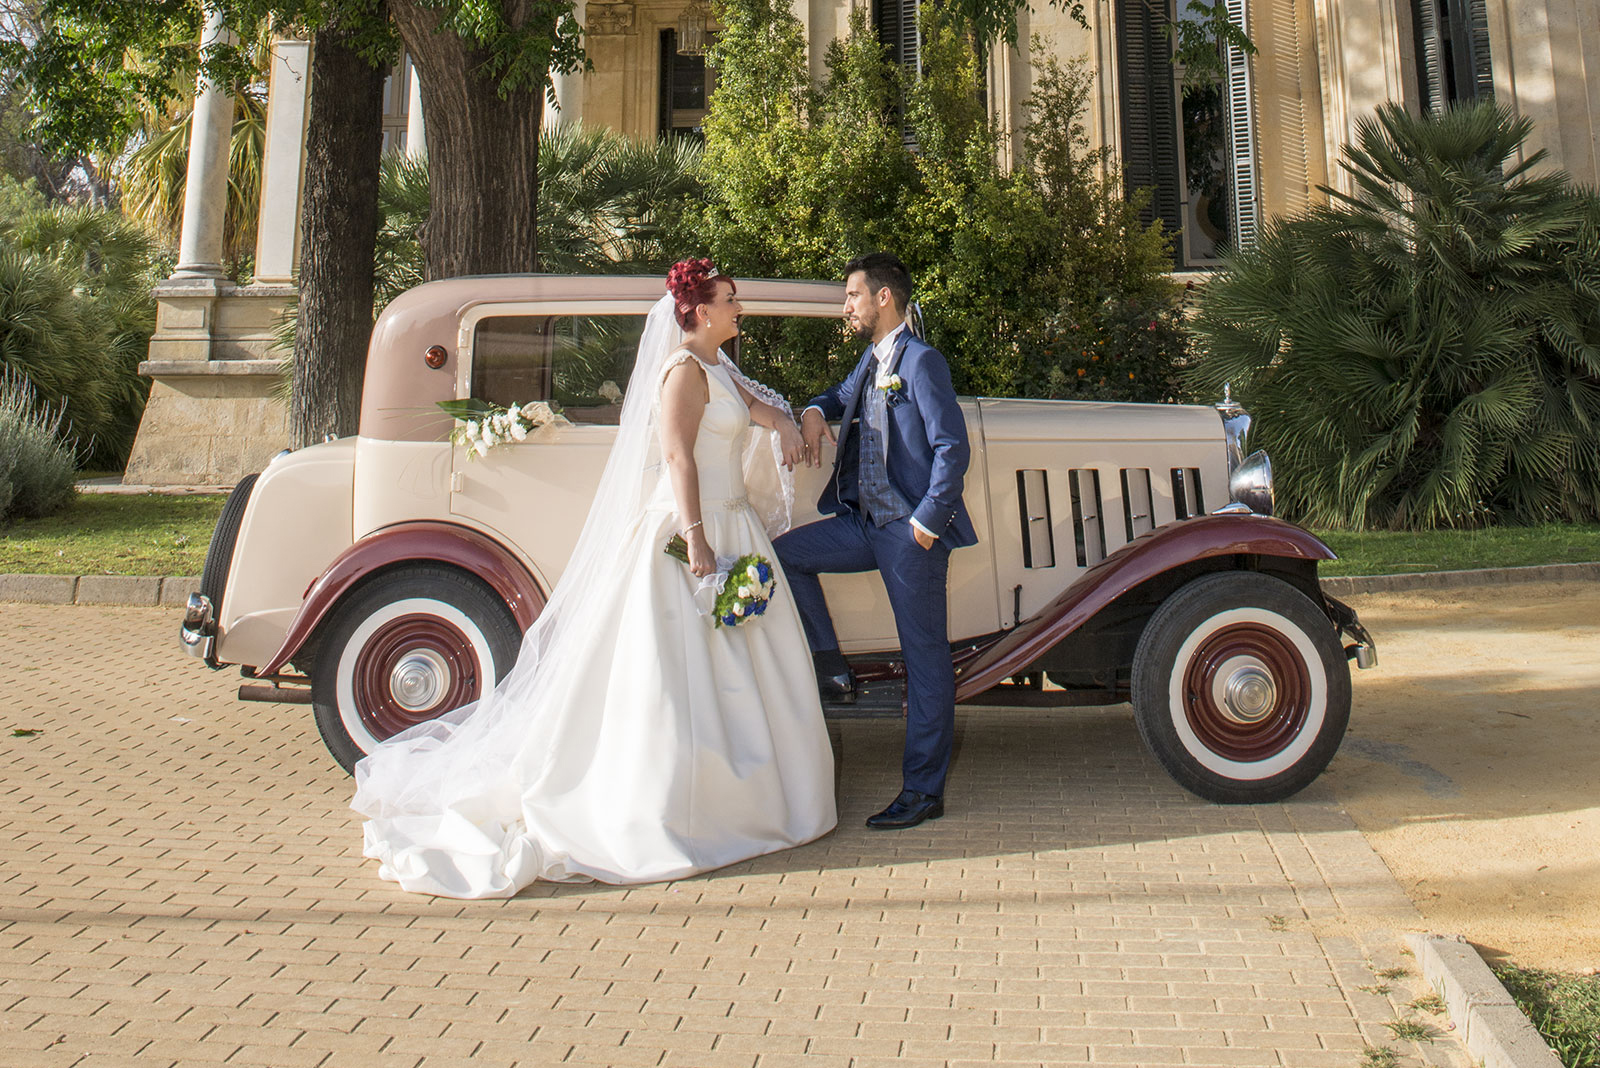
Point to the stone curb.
(1443, 580)
(1494, 1029)
(143, 591)
(174, 591)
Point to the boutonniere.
(890, 383)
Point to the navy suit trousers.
(916, 580)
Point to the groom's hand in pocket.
(924, 539)
(813, 428)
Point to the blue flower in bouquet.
(730, 619)
(765, 572)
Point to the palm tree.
(1424, 351)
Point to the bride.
(632, 741)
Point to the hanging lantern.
(692, 30)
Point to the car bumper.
(198, 632)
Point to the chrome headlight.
(1250, 484)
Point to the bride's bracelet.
(691, 526)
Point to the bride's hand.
(702, 561)
(790, 441)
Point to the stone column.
(1546, 60)
(282, 170)
(416, 133)
(1364, 47)
(569, 86)
(205, 198)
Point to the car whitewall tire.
(1241, 688)
(407, 648)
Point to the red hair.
(693, 283)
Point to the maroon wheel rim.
(393, 643)
(1281, 720)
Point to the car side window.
(581, 362)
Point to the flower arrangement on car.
(741, 588)
(481, 425)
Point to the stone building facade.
(1322, 66)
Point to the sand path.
(1472, 764)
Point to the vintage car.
(1125, 552)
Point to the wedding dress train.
(653, 748)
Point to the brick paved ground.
(180, 884)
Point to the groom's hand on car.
(813, 428)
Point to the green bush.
(800, 179)
(37, 467)
(76, 315)
(1426, 351)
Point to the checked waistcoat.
(880, 501)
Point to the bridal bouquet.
(740, 588)
(481, 425)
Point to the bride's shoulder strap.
(674, 358)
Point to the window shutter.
(1149, 110)
(1478, 29)
(896, 23)
(1242, 137)
(1430, 55)
(1453, 61)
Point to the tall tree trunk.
(483, 154)
(339, 229)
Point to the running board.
(886, 699)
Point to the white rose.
(744, 591)
(753, 572)
(513, 413)
(519, 432)
(738, 609)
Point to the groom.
(894, 499)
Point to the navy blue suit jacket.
(928, 451)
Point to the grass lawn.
(114, 534)
(1565, 1009)
(1390, 553)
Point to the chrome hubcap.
(1246, 692)
(419, 679)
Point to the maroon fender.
(1163, 549)
(424, 541)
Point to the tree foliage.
(1424, 352)
(802, 178)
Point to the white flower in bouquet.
(738, 609)
(472, 431)
(744, 591)
(519, 432)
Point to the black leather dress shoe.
(837, 689)
(907, 810)
(836, 683)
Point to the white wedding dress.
(648, 745)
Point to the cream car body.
(1084, 513)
